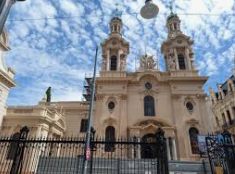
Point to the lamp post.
(5, 6)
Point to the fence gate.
(221, 153)
(22, 155)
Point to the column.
(232, 108)
(108, 60)
(231, 112)
(138, 149)
(174, 149)
(176, 59)
(36, 151)
(38, 131)
(168, 149)
(118, 60)
(225, 118)
(188, 58)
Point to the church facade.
(131, 104)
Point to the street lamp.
(149, 10)
(5, 6)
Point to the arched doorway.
(148, 149)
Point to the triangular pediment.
(192, 121)
(152, 122)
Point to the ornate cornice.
(100, 96)
(192, 122)
(123, 97)
(5, 79)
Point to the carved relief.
(99, 96)
(171, 63)
(123, 97)
(148, 122)
(147, 62)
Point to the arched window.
(109, 139)
(181, 61)
(217, 121)
(224, 119)
(175, 26)
(149, 106)
(113, 63)
(193, 133)
(230, 87)
(229, 117)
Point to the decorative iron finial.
(171, 6)
(117, 12)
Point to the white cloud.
(60, 51)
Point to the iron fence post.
(208, 153)
(162, 160)
(93, 148)
(19, 153)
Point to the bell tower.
(115, 48)
(177, 48)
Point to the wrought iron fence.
(22, 155)
(221, 153)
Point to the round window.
(111, 105)
(189, 106)
(148, 85)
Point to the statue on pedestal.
(48, 95)
(147, 62)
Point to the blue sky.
(53, 41)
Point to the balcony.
(229, 124)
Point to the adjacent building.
(223, 106)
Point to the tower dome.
(116, 22)
(173, 24)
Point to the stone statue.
(171, 63)
(48, 94)
(147, 62)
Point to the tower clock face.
(148, 85)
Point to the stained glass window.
(149, 106)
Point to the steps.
(66, 165)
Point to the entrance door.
(149, 146)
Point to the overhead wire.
(68, 17)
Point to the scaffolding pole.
(87, 154)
